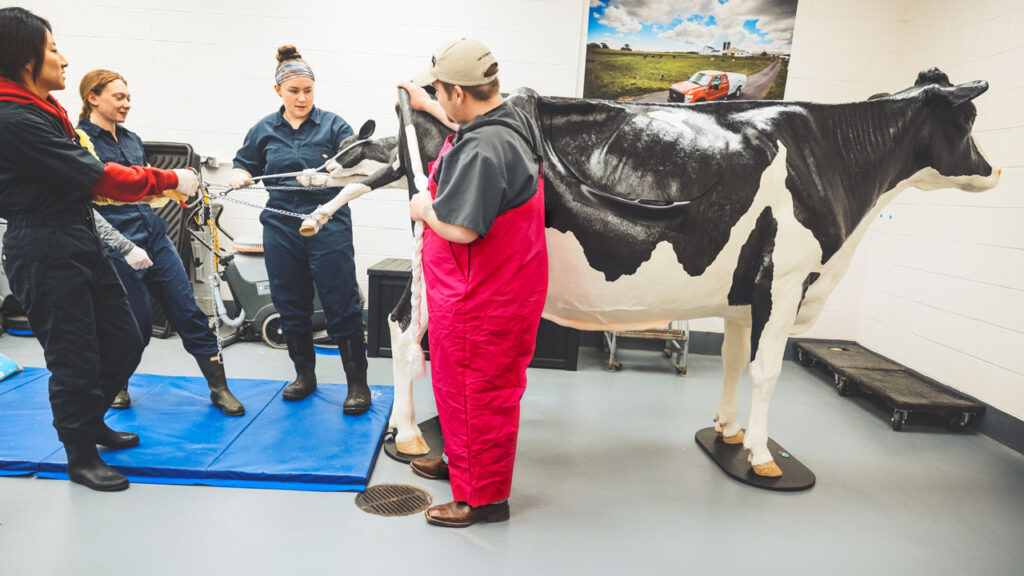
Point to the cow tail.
(414, 353)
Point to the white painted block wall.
(202, 71)
(938, 283)
(944, 292)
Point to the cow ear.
(367, 129)
(932, 76)
(965, 92)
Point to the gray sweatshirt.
(111, 236)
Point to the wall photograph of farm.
(657, 50)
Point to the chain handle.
(223, 195)
(204, 213)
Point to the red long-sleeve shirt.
(43, 169)
(130, 183)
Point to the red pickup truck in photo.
(708, 85)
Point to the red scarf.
(11, 91)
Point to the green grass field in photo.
(619, 74)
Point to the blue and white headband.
(293, 69)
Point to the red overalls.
(484, 301)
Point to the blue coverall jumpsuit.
(296, 263)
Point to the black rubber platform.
(732, 459)
(431, 430)
(904, 390)
(842, 355)
(857, 369)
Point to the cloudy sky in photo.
(685, 25)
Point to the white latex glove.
(138, 259)
(240, 179)
(188, 182)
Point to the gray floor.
(608, 481)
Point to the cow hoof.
(736, 438)
(768, 470)
(415, 447)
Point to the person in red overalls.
(485, 268)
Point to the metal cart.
(676, 338)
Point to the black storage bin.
(171, 156)
(557, 346)
(387, 282)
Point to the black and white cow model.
(746, 210)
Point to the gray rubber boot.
(300, 349)
(217, 381)
(122, 400)
(85, 467)
(353, 359)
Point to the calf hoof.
(768, 470)
(736, 438)
(415, 447)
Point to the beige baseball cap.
(462, 62)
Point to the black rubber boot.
(353, 358)
(300, 349)
(85, 467)
(110, 438)
(213, 371)
(122, 400)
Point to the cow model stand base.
(745, 210)
(732, 459)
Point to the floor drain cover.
(393, 500)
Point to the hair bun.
(286, 53)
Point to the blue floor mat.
(21, 378)
(306, 445)
(26, 424)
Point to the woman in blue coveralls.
(105, 104)
(299, 136)
(52, 254)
